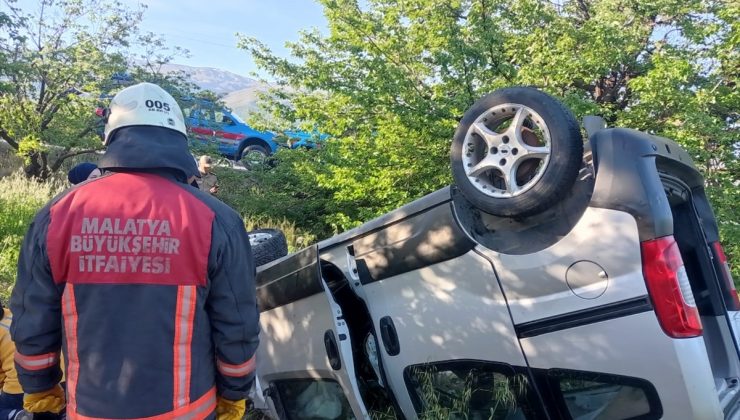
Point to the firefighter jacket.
(147, 285)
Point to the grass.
(388, 414)
(448, 394)
(20, 199)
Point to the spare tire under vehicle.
(267, 245)
(516, 152)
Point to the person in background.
(192, 179)
(11, 398)
(147, 283)
(82, 172)
(208, 181)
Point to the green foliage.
(54, 56)
(391, 79)
(278, 193)
(20, 199)
(61, 58)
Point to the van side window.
(312, 399)
(470, 389)
(587, 395)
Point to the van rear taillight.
(669, 288)
(731, 298)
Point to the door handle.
(390, 337)
(332, 350)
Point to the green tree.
(64, 59)
(392, 77)
(62, 55)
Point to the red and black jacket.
(147, 284)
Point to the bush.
(285, 191)
(20, 199)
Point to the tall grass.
(448, 395)
(20, 199)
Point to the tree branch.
(89, 129)
(584, 8)
(48, 118)
(6, 136)
(42, 94)
(59, 160)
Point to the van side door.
(446, 339)
(303, 365)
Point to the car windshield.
(237, 119)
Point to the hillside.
(245, 101)
(240, 93)
(219, 81)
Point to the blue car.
(236, 139)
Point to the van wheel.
(253, 156)
(267, 245)
(516, 152)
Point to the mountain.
(240, 93)
(219, 81)
(245, 101)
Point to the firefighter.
(11, 397)
(146, 282)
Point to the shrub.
(285, 191)
(20, 199)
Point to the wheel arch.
(269, 145)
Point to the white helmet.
(143, 104)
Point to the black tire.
(267, 245)
(253, 150)
(554, 177)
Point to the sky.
(207, 28)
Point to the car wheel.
(267, 245)
(516, 152)
(253, 156)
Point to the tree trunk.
(37, 166)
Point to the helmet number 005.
(157, 104)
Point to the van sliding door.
(447, 342)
